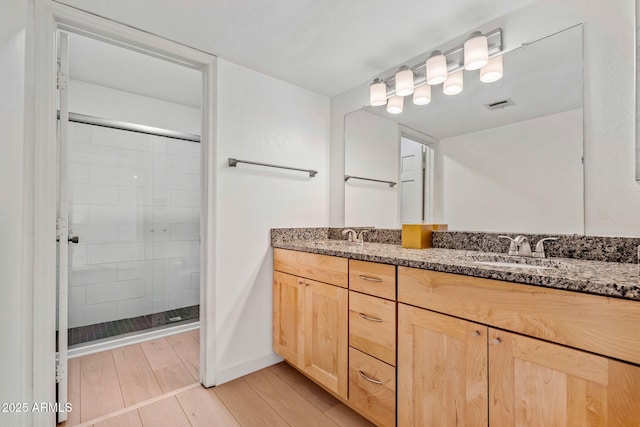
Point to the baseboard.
(111, 343)
(236, 371)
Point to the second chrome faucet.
(354, 236)
(520, 246)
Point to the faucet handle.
(352, 234)
(360, 237)
(513, 247)
(539, 251)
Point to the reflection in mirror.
(515, 167)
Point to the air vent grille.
(499, 105)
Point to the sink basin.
(335, 243)
(512, 265)
(499, 260)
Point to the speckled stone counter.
(614, 279)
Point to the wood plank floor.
(155, 384)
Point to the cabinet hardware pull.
(369, 279)
(369, 379)
(476, 333)
(372, 319)
(496, 341)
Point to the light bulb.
(395, 104)
(476, 51)
(436, 68)
(454, 84)
(404, 81)
(422, 95)
(377, 93)
(493, 71)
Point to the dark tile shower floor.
(84, 334)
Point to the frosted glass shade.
(377, 93)
(454, 84)
(422, 95)
(476, 52)
(493, 71)
(404, 82)
(395, 104)
(436, 68)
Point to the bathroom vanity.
(451, 337)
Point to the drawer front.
(322, 268)
(372, 326)
(372, 278)
(372, 388)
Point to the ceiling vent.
(499, 105)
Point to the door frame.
(49, 17)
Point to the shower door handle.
(71, 239)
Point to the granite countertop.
(613, 279)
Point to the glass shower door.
(134, 202)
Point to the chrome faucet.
(352, 235)
(523, 245)
(520, 246)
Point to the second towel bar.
(348, 177)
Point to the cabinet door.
(325, 335)
(287, 317)
(536, 383)
(442, 370)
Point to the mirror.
(516, 166)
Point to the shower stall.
(134, 226)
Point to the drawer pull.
(369, 379)
(369, 278)
(371, 319)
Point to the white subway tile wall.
(135, 204)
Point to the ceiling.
(103, 64)
(326, 46)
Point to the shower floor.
(98, 331)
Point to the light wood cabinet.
(310, 318)
(442, 370)
(453, 371)
(372, 388)
(287, 317)
(372, 326)
(326, 335)
(373, 278)
(536, 383)
(372, 341)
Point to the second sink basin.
(498, 260)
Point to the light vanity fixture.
(479, 52)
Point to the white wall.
(528, 172)
(100, 101)
(264, 120)
(372, 144)
(16, 307)
(612, 196)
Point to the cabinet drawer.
(322, 268)
(372, 388)
(372, 326)
(373, 278)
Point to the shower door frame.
(49, 18)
